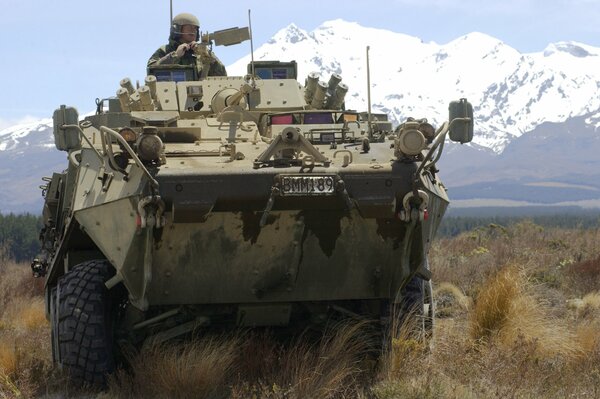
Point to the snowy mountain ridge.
(511, 93)
(19, 136)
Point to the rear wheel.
(83, 315)
(417, 307)
(412, 318)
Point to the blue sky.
(72, 51)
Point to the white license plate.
(307, 185)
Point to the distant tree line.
(454, 225)
(19, 237)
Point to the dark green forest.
(19, 237)
(19, 233)
(454, 225)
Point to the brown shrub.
(585, 275)
(450, 300)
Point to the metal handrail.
(127, 147)
(440, 137)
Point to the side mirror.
(461, 121)
(66, 139)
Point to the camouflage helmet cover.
(183, 19)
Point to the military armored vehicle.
(233, 201)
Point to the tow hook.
(150, 210)
(414, 207)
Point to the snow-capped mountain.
(537, 114)
(511, 93)
(27, 153)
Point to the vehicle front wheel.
(83, 316)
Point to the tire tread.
(84, 339)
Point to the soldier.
(183, 49)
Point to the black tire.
(83, 318)
(416, 311)
(418, 303)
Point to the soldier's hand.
(200, 49)
(181, 50)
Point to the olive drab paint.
(241, 201)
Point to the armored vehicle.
(233, 201)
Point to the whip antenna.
(251, 49)
(369, 94)
(171, 20)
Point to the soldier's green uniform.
(202, 59)
(216, 66)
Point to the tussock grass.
(589, 307)
(507, 309)
(249, 365)
(331, 367)
(25, 364)
(325, 370)
(450, 300)
(518, 337)
(26, 315)
(495, 304)
(588, 337)
(8, 357)
(195, 369)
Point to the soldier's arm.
(161, 57)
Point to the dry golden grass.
(532, 330)
(177, 371)
(507, 310)
(494, 304)
(8, 358)
(588, 337)
(326, 369)
(523, 341)
(450, 300)
(248, 365)
(26, 315)
(25, 366)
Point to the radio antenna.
(369, 94)
(171, 15)
(251, 50)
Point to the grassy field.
(518, 316)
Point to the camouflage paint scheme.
(205, 222)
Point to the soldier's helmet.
(183, 19)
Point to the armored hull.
(238, 201)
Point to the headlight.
(149, 147)
(128, 134)
(410, 141)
